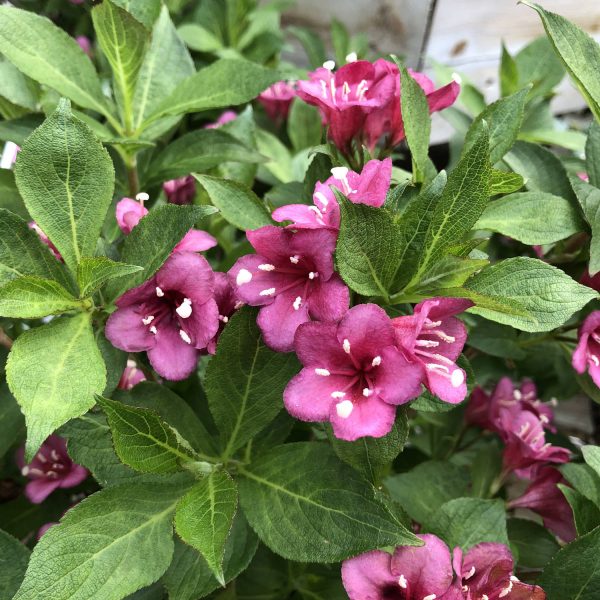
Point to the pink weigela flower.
(224, 117)
(130, 212)
(180, 191)
(369, 187)
(433, 337)
(85, 44)
(227, 302)
(291, 277)
(353, 375)
(277, 100)
(50, 469)
(587, 353)
(45, 240)
(131, 376)
(171, 316)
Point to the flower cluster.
(429, 572)
(360, 102)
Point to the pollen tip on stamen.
(184, 336)
(485, 597)
(295, 259)
(346, 346)
(338, 394)
(142, 197)
(351, 57)
(153, 330)
(340, 172)
(457, 378)
(470, 573)
(266, 267)
(146, 321)
(184, 310)
(329, 65)
(313, 274)
(376, 361)
(322, 372)
(267, 292)
(457, 78)
(367, 392)
(243, 276)
(159, 292)
(402, 582)
(25, 471)
(513, 578)
(297, 303)
(544, 419)
(430, 597)
(517, 394)
(344, 409)
(223, 319)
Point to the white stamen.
(323, 89)
(457, 378)
(402, 582)
(329, 65)
(131, 363)
(553, 402)
(517, 394)
(544, 419)
(513, 578)
(340, 173)
(470, 573)
(147, 320)
(485, 597)
(442, 369)
(25, 471)
(184, 310)
(344, 409)
(266, 267)
(55, 456)
(142, 197)
(352, 57)
(223, 319)
(595, 359)
(159, 292)
(153, 330)
(361, 89)
(267, 292)
(456, 77)
(376, 361)
(320, 196)
(506, 590)
(338, 395)
(297, 303)
(465, 588)
(244, 276)
(427, 343)
(444, 336)
(294, 259)
(322, 372)
(313, 274)
(367, 392)
(346, 346)
(41, 458)
(184, 336)
(431, 324)
(34, 471)
(345, 90)
(430, 597)
(524, 428)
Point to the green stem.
(132, 176)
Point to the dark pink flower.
(583, 176)
(370, 187)
(131, 376)
(291, 276)
(486, 571)
(227, 303)
(171, 316)
(587, 353)
(224, 117)
(434, 337)
(50, 469)
(130, 212)
(544, 497)
(84, 44)
(277, 100)
(45, 240)
(353, 374)
(180, 191)
(593, 282)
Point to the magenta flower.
(291, 276)
(227, 302)
(433, 337)
(50, 469)
(180, 191)
(171, 316)
(486, 571)
(131, 376)
(544, 497)
(370, 187)
(277, 99)
(587, 353)
(593, 282)
(129, 213)
(84, 44)
(224, 117)
(353, 375)
(45, 240)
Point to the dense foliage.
(256, 343)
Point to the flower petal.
(369, 417)
(125, 330)
(171, 357)
(329, 300)
(365, 577)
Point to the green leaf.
(585, 512)
(574, 572)
(245, 381)
(579, 53)
(591, 455)
(542, 171)
(304, 125)
(143, 440)
(123, 40)
(49, 55)
(463, 200)
(543, 296)
(14, 557)
(204, 518)
(145, 11)
(31, 297)
(495, 339)
(54, 371)
(588, 197)
(226, 82)
(505, 183)
(189, 576)
(280, 165)
(532, 217)
(121, 535)
(198, 151)
(450, 271)
(466, 522)
(535, 545)
(94, 272)
(17, 130)
(537, 63)
(152, 240)
(22, 253)
(369, 248)
(312, 45)
(370, 455)
(16, 87)
(166, 63)
(308, 506)
(509, 73)
(592, 154)
(584, 479)
(199, 38)
(66, 179)
(12, 424)
(417, 122)
(10, 199)
(423, 490)
(504, 119)
(238, 204)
